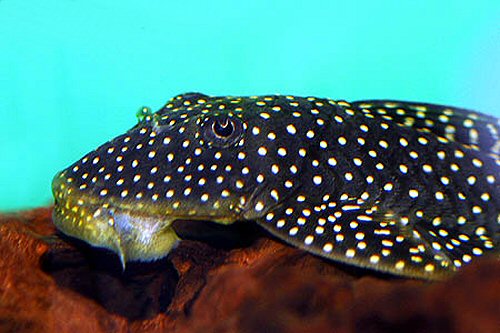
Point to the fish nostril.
(144, 113)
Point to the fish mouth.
(134, 234)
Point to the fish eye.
(222, 130)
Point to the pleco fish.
(399, 187)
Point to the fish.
(404, 188)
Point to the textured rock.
(234, 282)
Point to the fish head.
(220, 159)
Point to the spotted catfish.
(405, 188)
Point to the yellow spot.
(400, 265)
(309, 239)
(350, 253)
(374, 259)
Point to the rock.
(49, 283)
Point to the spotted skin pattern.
(405, 188)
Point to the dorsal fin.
(459, 125)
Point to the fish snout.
(127, 232)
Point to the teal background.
(74, 73)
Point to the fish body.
(399, 187)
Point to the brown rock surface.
(256, 284)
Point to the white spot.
(445, 180)
(485, 196)
(477, 251)
(427, 168)
(374, 259)
(477, 163)
(308, 240)
(328, 247)
(275, 195)
(441, 155)
(413, 193)
(262, 151)
(260, 178)
(423, 141)
(388, 187)
(476, 210)
(350, 253)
